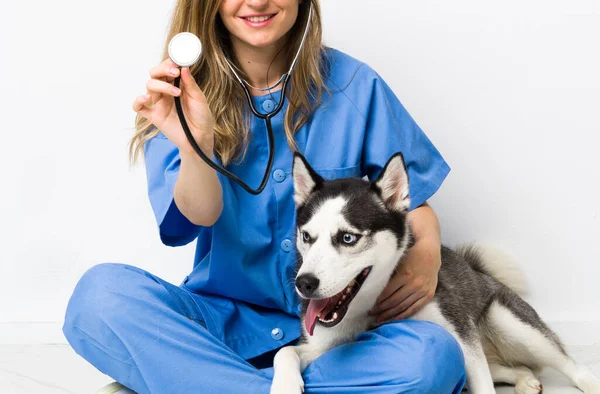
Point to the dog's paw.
(528, 386)
(287, 383)
(587, 381)
(592, 387)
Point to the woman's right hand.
(158, 106)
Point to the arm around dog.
(391, 129)
(414, 284)
(425, 225)
(423, 261)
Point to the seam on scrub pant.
(257, 385)
(99, 346)
(208, 318)
(184, 305)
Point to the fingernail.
(173, 71)
(147, 97)
(176, 91)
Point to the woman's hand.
(412, 286)
(414, 283)
(158, 106)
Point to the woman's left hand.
(412, 286)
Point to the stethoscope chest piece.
(185, 49)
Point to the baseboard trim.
(572, 333)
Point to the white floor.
(54, 369)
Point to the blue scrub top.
(244, 264)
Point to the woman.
(218, 331)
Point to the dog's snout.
(307, 284)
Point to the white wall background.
(509, 91)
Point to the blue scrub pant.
(150, 336)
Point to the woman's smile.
(258, 20)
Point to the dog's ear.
(392, 184)
(306, 180)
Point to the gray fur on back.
(465, 292)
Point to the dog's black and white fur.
(351, 235)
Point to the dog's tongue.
(312, 313)
(316, 307)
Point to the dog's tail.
(495, 263)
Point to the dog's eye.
(305, 236)
(349, 239)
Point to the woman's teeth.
(257, 19)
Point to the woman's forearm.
(426, 228)
(198, 193)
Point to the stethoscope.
(184, 50)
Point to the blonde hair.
(230, 111)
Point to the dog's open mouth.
(330, 311)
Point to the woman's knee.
(97, 299)
(115, 303)
(95, 290)
(422, 354)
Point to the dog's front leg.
(288, 365)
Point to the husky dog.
(351, 235)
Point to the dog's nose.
(307, 284)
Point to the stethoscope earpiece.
(185, 49)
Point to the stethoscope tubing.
(267, 117)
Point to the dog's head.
(351, 233)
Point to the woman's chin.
(261, 40)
